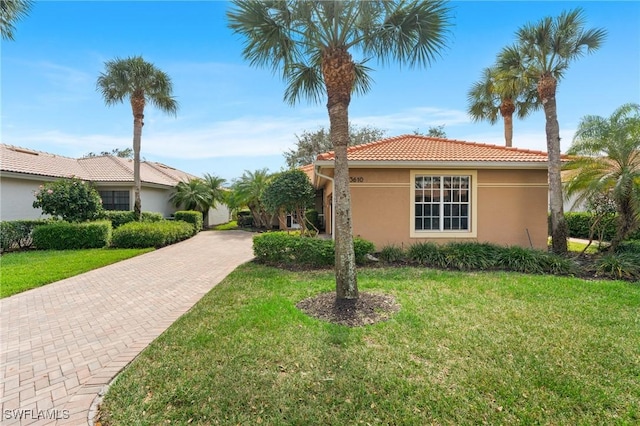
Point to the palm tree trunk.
(345, 265)
(559, 231)
(338, 71)
(137, 135)
(506, 110)
(137, 104)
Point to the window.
(115, 200)
(292, 223)
(441, 204)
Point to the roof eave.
(441, 164)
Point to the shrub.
(72, 236)
(151, 234)
(19, 233)
(120, 217)
(428, 254)
(245, 219)
(313, 218)
(392, 253)
(631, 246)
(73, 200)
(522, 259)
(619, 266)
(579, 224)
(470, 256)
(191, 216)
(558, 265)
(282, 248)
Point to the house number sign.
(356, 179)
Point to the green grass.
(465, 348)
(226, 226)
(22, 271)
(577, 247)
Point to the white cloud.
(414, 118)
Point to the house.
(409, 189)
(23, 170)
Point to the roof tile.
(105, 168)
(426, 148)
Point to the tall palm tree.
(311, 43)
(500, 92)
(216, 190)
(141, 82)
(544, 51)
(608, 162)
(248, 190)
(11, 11)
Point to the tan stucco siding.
(510, 207)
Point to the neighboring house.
(411, 188)
(23, 170)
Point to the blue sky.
(232, 117)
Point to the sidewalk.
(60, 344)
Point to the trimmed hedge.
(16, 234)
(151, 234)
(120, 217)
(193, 217)
(579, 224)
(72, 236)
(282, 248)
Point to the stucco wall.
(16, 199)
(511, 207)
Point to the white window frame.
(472, 232)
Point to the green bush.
(245, 219)
(467, 256)
(120, 217)
(16, 234)
(631, 246)
(282, 248)
(579, 224)
(521, 259)
(428, 254)
(619, 266)
(72, 236)
(191, 216)
(392, 253)
(72, 200)
(151, 234)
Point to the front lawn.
(25, 270)
(465, 348)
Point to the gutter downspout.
(333, 200)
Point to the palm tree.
(216, 190)
(193, 194)
(311, 43)
(248, 190)
(544, 52)
(608, 162)
(501, 92)
(139, 81)
(11, 11)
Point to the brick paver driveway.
(62, 343)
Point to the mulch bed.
(369, 308)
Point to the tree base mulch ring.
(369, 308)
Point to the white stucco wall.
(221, 214)
(17, 197)
(156, 200)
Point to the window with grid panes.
(442, 203)
(115, 200)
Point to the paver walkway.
(61, 344)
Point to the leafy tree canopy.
(310, 144)
(434, 132)
(291, 192)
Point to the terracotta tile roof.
(412, 148)
(97, 169)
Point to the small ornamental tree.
(290, 192)
(73, 200)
